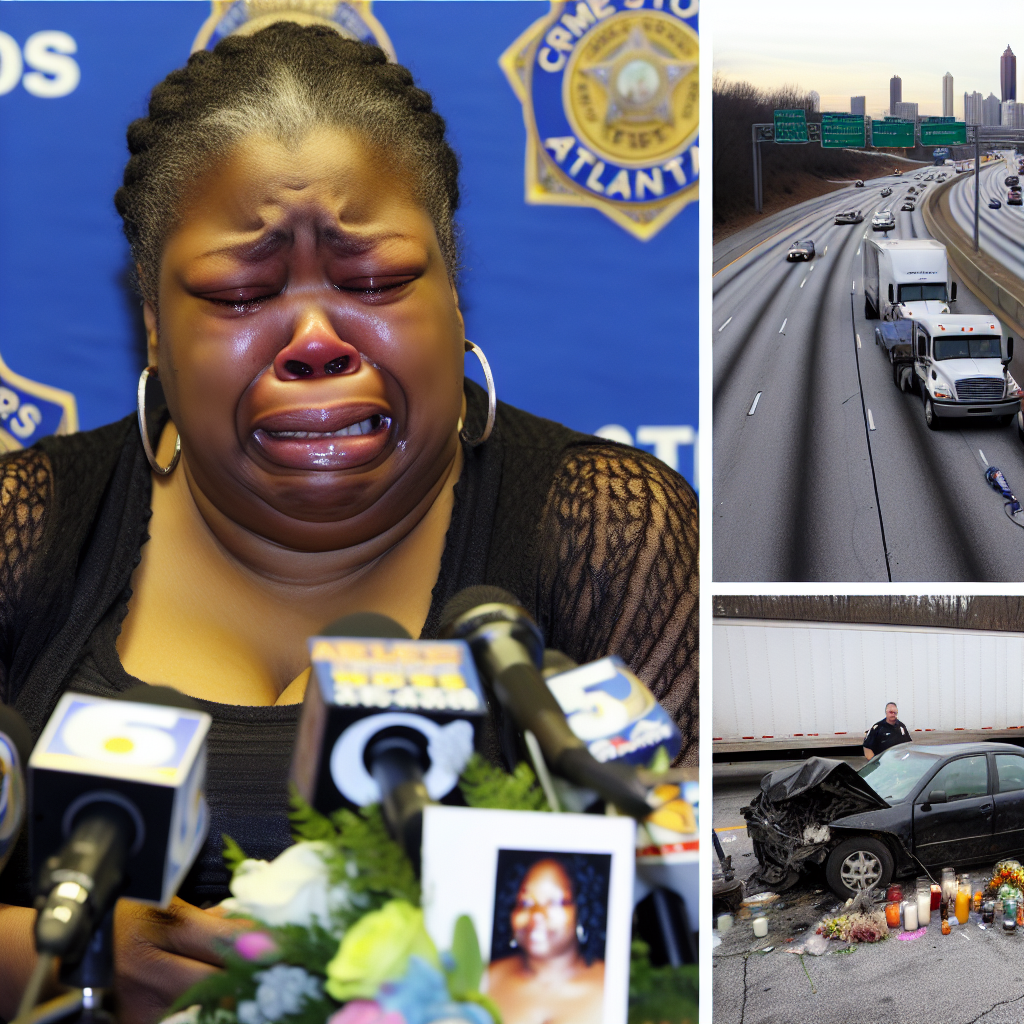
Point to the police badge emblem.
(610, 90)
(29, 411)
(352, 18)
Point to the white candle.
(924, 908)
(910, 915)
(760, 927)
(724, 922)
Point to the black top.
(597, 540)
(881, 736)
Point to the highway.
(1000, 232)
(822, 469)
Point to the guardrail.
(985, 276)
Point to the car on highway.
(1013, 198)
(883, 221)
(849, 217)
(929, 177)
(898, 173)
(886, 192)
(801, 250)
(858, 184)
(994, 204)
(1011, 179)
(907, 207)
(911, 191)
(949, 804)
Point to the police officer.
(885, 734)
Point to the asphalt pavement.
(823, 469)
(972, 976)
(1001, 231)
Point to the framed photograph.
(551, 897)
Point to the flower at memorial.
(282, 991)
(376, 949)
(294, 888)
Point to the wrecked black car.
(915, 804)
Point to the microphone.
(509, 650)
(15, 747)
(117, 789)
(386, 719)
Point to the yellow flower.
(377, 949)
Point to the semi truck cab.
(961, 367)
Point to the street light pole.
(977, 182)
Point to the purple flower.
(254, 945)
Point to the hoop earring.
(512, 943)
(150, 457)
(492, 399)
(581, 934)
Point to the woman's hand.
(159, 954)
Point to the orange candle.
(963, 905)
(892, 915)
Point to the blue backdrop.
(582, 322)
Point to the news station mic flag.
(579, 221)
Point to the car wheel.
(1020, 426)
(857, 864)
(929, 414)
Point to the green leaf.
(308, 824)
(485, 785)
(485, 1001)
(469, 965)
(376, 865)
(233, 853)
(661, 995)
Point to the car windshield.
(965, 346)
(922, 292)
(896, 771)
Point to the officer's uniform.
(881, 736)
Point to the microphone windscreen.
(166, 696)
(472, 597)
(14, 727)
(367, 624)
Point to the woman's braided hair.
(282, 82)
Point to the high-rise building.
(857, 104)
(990, 109)
(908, 111)
(1008, 75)
(895, 93)
(973, 108)
(947, 95)
(1011, 114)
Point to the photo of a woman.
(548, 944)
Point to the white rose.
(292, 889)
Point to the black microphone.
(15, 748)
(117, 791)
(386, 719)
(508, 648)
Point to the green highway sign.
(939, 120)
(791, 126)
(892, 133)
(841, 130)
(944, 134)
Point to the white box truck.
(811, 686)
(905, 277)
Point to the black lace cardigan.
(598, 541)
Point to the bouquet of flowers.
(339, 935)
(1007, 881)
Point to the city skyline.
(793, 44)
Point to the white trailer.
(905, 277)
(787, 685)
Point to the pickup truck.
(958, 364)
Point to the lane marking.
(853, 287)
(812, 267)
(726, 324)
(757, 398)
(858, 341)
(825, 250)
(857, 253)
(803, 282)
(783, 327)
(871, 420)
(984, 461)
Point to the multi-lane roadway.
(823, 470)
(1001, 231)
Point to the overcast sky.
(853, 49)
